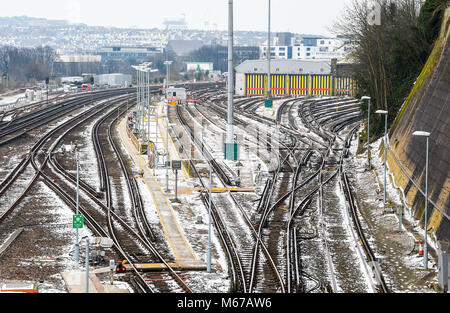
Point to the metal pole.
(167, 126)
(140, 103)
(176, 185)
(269, 56)
(385, 153)
(87, 265)
(137, 91)
(139, 97)
(77, 247)
(230, 130)
(156, 136)
(168, 73)
(148, 104)
(167, 148)
(209, 221)
(141, 118)
(425, 251)
(368, 136)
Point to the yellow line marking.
(157, 207)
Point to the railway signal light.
(120, 268)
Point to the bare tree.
(388, 49)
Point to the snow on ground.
(396, 195)
(401, 268)
(350, 233)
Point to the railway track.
(22, 125)
(328, 127)
(127, 241)
(65, 192)
(322, 122)
(294, 188)
(13, 176)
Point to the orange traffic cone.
(420, 248)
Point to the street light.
(142, 95)
(209, 220)
(368, 130)
(269, 56)
(385, 113)
(425, 252)
(167, 63)
(77, 247)
(230, 127)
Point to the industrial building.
(285, 46)
(176, 94)
(183, 47)
(292, 77)
(124, 53)
(75, 65)
(199, 66)
(113, 80)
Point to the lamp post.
(269, 56)
(87, 266)
(368, 130)
(230, 130)
(425, 251)
(77, 246)
(143, 91)
(167, 63)
(143, 71)
(138, 93)
(209, 220)
(385, 113)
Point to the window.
(282, 54)
(322, 42)
(308, 49)
(308, 54)
(282, 48)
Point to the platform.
(76, 283)
(155, 267)
(177, 241)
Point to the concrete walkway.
(181, 249)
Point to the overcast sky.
(299, 16)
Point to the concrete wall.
(427, 109)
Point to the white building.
(113, 80)
(199, 66)
(79, 58)
(176, 94)
(325, 49)
(257, 68)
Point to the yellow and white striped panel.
(278, 84)
(255, 84)
(321, 85)
(344, 86)
(298, 85)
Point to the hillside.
(426, 109)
